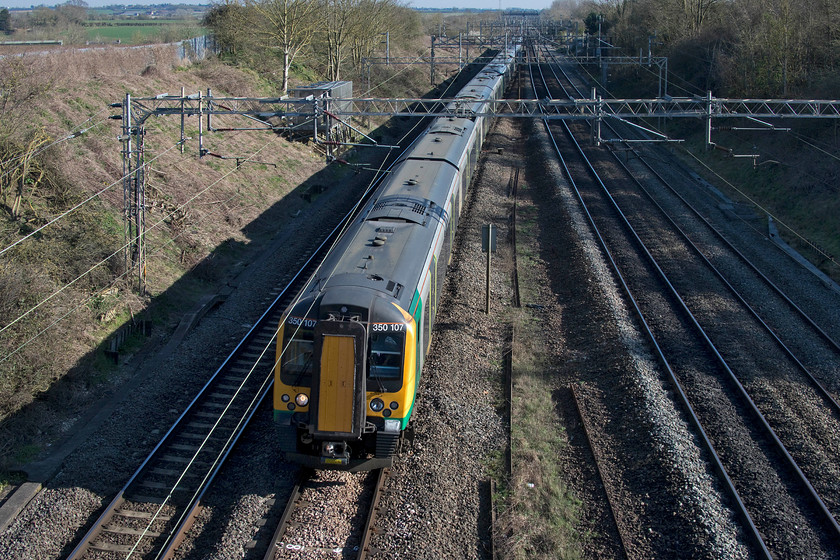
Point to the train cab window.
(296, 363)
(385, 361)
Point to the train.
(351, 349)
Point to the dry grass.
(540, 514)
(801, 198)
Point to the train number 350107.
(387, 327)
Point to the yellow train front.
(346, 380)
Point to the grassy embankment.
(795, 181)
(71, 274)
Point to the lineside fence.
(187, 51)
(196, 49)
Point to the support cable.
(766, 211)
(269, 376)
(42, 149)
(120, 249)
(385, 81)
(373, 182)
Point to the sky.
(492, 4)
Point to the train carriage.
(351, 349)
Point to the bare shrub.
(225, 79)
(23, 81)
(151, 71)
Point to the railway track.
(297, 534)
(597, 460)
(151, 514)
(155, 508)
(793, 347)
(700, 366)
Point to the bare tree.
(697, 13)
(336, 32)
(23, 83)
(563, 9)
(783, 40)
(73, 12)
(371, 18)
(286, 25)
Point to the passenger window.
(296, 366)
(386, 355)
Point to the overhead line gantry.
(287, 114)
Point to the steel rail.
(598, 460)
(820, 388)
(365, 547)
(817, 500)
(291, 504)
(807, 318)
(277, 546)
(660, 354)
(266, 321)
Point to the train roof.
(445, 140)
(385, 251)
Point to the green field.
(138, 34)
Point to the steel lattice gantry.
(276, 114)
(261, 110)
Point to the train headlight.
(301, 399)
(285, 398)
(377, 405)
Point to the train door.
(339, 383)
(420, 320)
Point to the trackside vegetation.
(540, 515)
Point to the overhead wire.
(766, 210)
(85, 201)
(267, 380)
(373, 182)
(46, 147)
(758, 205)
(383, 82)
(123, 247)
(810, 142)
